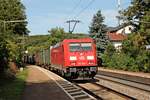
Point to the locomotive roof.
(73, 40)
(78, 40)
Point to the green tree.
(133, 55)
(12, 10)
(140, 10)
(4, 54)
(137, 9)
(107, 56)
(145, 27)
(57, 35)
(97, 24)
(135, 45)
(97, 31)
(10, 49)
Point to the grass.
(11, 88)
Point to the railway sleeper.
(76, 93)
(80, 97)
(73, 90)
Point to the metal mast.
(75, 23)
(119, 9)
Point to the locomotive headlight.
(90, 57)
(73, 58)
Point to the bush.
(125, 61)
(107, 56)
(143, 61)
(4, 53)
(10, 51)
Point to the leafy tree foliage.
(14, 48)
(140, 10)
(12, 10)
(135, 46)
(37, 42)
(57, 34)
(97, 31)
(3, 54)
(129, 58)
(11, 48)
(137, 9)
(134, 56)
(145, 27)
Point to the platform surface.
(41, 87)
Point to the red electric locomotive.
(75, 58)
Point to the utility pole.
(119, 9)
(75, 23)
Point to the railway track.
(114, 86)
(100, 92)
(104, 87)
(133, 89)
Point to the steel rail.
(130, 88)
(98, 92)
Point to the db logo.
(82, 58)
(81, 54)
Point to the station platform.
(40, 86)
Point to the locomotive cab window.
(74, 47)
(86, 46)
(80, 47)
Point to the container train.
(72, 58)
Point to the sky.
(42, 15)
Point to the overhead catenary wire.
(72, 10)
(76, 6)
(81, 11)
(74, 20)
